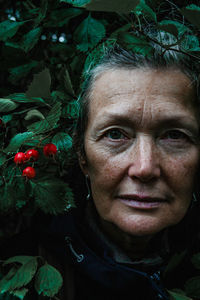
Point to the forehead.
(142, 86)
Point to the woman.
(137, 140)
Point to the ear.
(83, 164)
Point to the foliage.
(46, 49)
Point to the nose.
(144, 161)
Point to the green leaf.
(174, 261)
(89, 33)
(196, 260)
(173, 27)
(2, 159)
(19, 293)
(30, 39)
(34, 113)
(119, 6)
(177, 296)
(5, 281)
(22, 98)
(7, 201)
(40, 85)
(8, 29)
(17, 141)
(7, 118)
(67, 83)
(134, 43)
(49, 123)
(63, 141)
(60, 17)
(192, 13)
(24, 274)
(71, 110)
(78, 3)
(190, 43)
(192, 287)
(143, 9)
(19, 72)
(7, 105)
(69, 196)
(18, 259)
(50, 195)
(48, 281)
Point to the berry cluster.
(33, 155)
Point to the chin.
(146, 226)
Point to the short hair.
(116, 58)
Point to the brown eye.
(115, 134)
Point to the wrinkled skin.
(142, 152)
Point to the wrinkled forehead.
(146, 82)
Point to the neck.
(134, 246)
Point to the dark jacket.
(91, 273)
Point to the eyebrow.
(166, 121)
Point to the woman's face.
(141, 148)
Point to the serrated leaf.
(30, 39)
(143, 9)
(177, 296)
(49, 122)
(134, 43)
(7, 105)
(19, 72)
(24, 274)
(192, 287)
(63, 141)
(60, 17)
(50, 196)
(71, 110)
(89, 33)
(78, 3)
(8, 29)
(173, 27)
(119, 6)
(22, 98)
(192, 13)
(48, 281)
(17, 141)
(22, 259)
(40, 85)
(5, 281)
(70, 198)
(34, 113)
(19, 293)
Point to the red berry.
(19, 158)
(29, 172)
(32, 153)
(49, 149)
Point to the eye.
(175, 135)
(115, 134)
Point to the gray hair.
(117, 58)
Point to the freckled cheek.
(182, 172)
(103, 169)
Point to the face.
(141, 148)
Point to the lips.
(142, 201)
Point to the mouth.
(142, 202)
